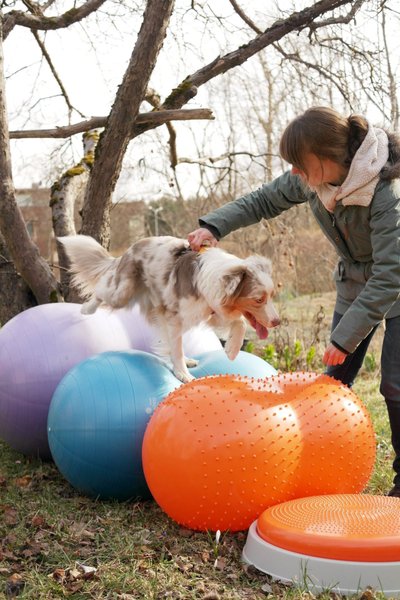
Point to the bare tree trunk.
(64, 196)
(115, 139)
(15, 295)
(24, 253)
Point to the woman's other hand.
(333, 356)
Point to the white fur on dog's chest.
(193, 312)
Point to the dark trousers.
(390, 377)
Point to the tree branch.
(244, 17)
(154, 100)
(336, 20)
(295, 22)
(295, 57)
(18, 17)
(210, 161)
(156, 118)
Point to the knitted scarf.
(359, 186)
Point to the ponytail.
(358, 127)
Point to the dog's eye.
(261, 299)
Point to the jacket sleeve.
(267, 202)
(383, 287)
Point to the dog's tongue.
(261, 331)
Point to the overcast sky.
(91, 58)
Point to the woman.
(349, 173)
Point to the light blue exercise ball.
(217, 363)
(97, 418)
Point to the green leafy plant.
(269, 355)
(310, 357)
(249, 347)
(370, 363)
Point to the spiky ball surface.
(220, 450)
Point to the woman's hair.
(392, 169)
(325, 133)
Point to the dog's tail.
(88, 261)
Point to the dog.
(176, 289)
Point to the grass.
(56, 543)
(48, 530)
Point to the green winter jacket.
(367, 240)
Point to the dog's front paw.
(232, 348)
(191, 362)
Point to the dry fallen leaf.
(87, 572)
(367, 594)
(38, 521)
(23, 482)
(186, 533)
(211, 596)
(10, 514)
(220, 563)
(58, 575)
(72, 579)
(183, 565)
(14, 586)
(74, 574)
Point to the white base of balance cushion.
(320, 574)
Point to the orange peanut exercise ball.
(220, 450)
(339, 442)
(339, 446)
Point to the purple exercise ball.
(37, 348)
(40, 345)
(144, 336)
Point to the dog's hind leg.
(235, 338)
(90, 307)
(179, 365)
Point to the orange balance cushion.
(352, 527)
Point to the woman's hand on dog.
(201, 237)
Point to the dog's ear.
(257, 262)
(232, 283)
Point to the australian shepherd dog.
(176, 289)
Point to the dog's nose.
(275, 322)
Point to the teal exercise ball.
(217, 363)
(97, 418)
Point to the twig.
(54, 73)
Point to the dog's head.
(249, 289)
